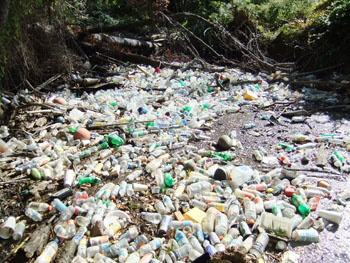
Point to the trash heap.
(136, 186)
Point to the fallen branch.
(124, 41)
(47, 82)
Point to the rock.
(82, 134)
(59, 100)
(225, 142)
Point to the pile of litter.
(121, 175)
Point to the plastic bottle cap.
(251, 222)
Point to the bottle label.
(49, 253)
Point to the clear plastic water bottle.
(60, 231)
(48, 253)
(195, 244)
(40, 207)
(153, 218)
(122, 190)
(181, 238)
(181, 252)
(151, 246)
(131, 234)
(169, 206)
(79, 235)
(209, 220)
(82, 247)
(19, 230)
(123, 255)
(249, 210)
(159, 206)
(209, 248)
(133, 258)
(221, 224)
(34, 215)
(67, 213)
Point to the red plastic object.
(289, 190)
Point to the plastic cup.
(7, 228)
(331, 216)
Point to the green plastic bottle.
(299, 202)
(168, 179)
(103, 145)
(36, 174)
(277, 211)
(114, 141)
(89, 180)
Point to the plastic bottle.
(195, 244)
(82, 247)
(237, 242)
(168, 204)
(68, 178)
(159, 206)
(130, 234)
(201, 205)
(151, 246)
(67, 213)
(115, 192)
(181, 238)
(129, 190)
(58, 205)
(40, 207)
(299, 202)
(180, 189)
(306, 235)
(60, 231)
(197, 230)
(199, 187)
(241, 194)
(89, 180)
(181, 252)
(19, 230)
(213, 238)
(221, 224)
(133, 258)
(164, 225)
(209, 248)
(114, 249)
(122, 190)
(233, 211)
(79, 234)
(34, 215)
(48, 253)
(249, 210)
(259, 245)
(209, 220)
(153, 218)
(123, 255)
